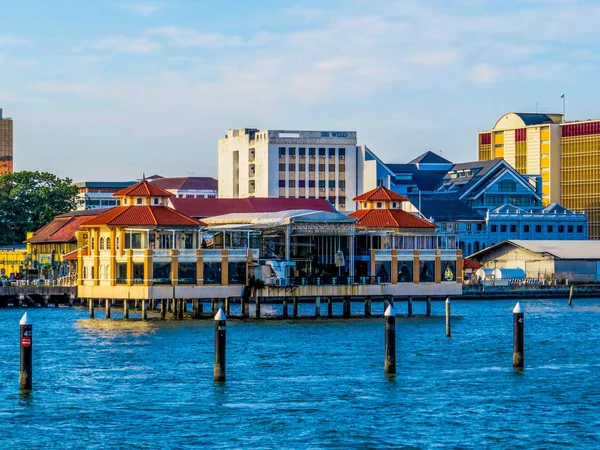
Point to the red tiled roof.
(380, 193)
(210, 207)
(470, 264)
(61, 229)
(142, 215)
(142, 189)
(72, 256)
(187, 183)
(389, 218)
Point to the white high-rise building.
(290, 164)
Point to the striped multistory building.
(566, 155)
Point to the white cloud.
(142, 9)
(59, 87)
(484, 73)
(126, 44)
(8, 40)
(189, 37)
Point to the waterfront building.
(13, 260)
(199, 208)
(99, 194)
(565, 154)
(6, 144)
(291, 164)
(187, 187)
(572, 260)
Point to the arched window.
(393, 204)
(379, 204)
(92, 243)
(92, 272)
(84, 272)
(138, 201)
(107, 243)
(364, 204)
(101, 243)
(156, 201)
(117, 243)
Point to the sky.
(111, 89)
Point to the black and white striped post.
(220, 343)
(26, 344)
(448, 316)
(390, 341)
(518, 337)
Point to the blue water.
(308, 384)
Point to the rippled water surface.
(308, 384)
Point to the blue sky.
(106, 90)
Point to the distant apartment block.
(565, 154)
(291, 164)
(187, 187)
(6, 144)
(99, 194)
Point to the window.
(311, 167)
(302, 167)
(321, 184)
(292, 183)
(311, 183)
(281, 151)
(342, 200)
(342, 184)
(292, 167)
(342, 167)
(455, 225)
(108, 243)
(479, 227)
(331, 184)
(92, 244)
(311, 152)
(138, 201)
(561, 228)
(507, 186)
(469, 227)
(379, 204)
(526, 228)
(187, 273)
(301, 151)
(101, 243)
(321, 152)
(121, 273)
(342, 151)
(301, 183)
(321, 167)
(494, 228)
(580, 228)
(364, 204)
(84, 272)
(550, 228)
(538, 228)
(503, 228)
(292, 151)
(331, 152)
(281, 183)
(117, 242)
(332, 167)
(138, 273)
(156, 201)
(161, 272)
(513, 228)
(282, 167)
(570, 229)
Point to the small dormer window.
(156, 201)
(138, 201)
(379, 205)
(393, 204)
(364, 204)
(124, 201)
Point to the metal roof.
(277, 218)
(559, 249)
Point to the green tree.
(30, 200)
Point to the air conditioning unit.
(342, 156)
(342, 189)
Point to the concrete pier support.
(91, 307)
(295, 306)
(367, 306)
(125, 309)
(318, 307)
(329, 307)
(429, 306)
(347, 309)
(410, 306)
(285, 308)
(163, 309)
(144, 313)
(107, 308)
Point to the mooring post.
(367, 306)
(26, 338)
(448, 332)
(329, 307)
(410, 300)
(163, 308)
(429, 306)
(571, 295)
(107, 307)
(518, 338)
(285, 308)
(295, 306)
(220, 343)
(390, 341)
(318, 307)
(91, 307)
(144, 312)
(257, 302)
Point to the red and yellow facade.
(565, 155)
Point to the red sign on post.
(26, 341)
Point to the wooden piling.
(318, 307)
(180, 308)
(571, 295)
(175, 308)
(91, 308)
(390, 341)
(257, 308)
(152, 304)
(410, 306)
(285, 308)
(295, 306)
(329, 307)
(184, 305)
(518, 337)
(367, 306)
(107, 308)
(227, 306)
(347, 308)
(26, 345)
(144, 312)
(448, 331)
(163, 308)
(136, 305)
(429, 306)
(220, 343)
(126, 309)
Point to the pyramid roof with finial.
(380, 193)
(143, 189)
